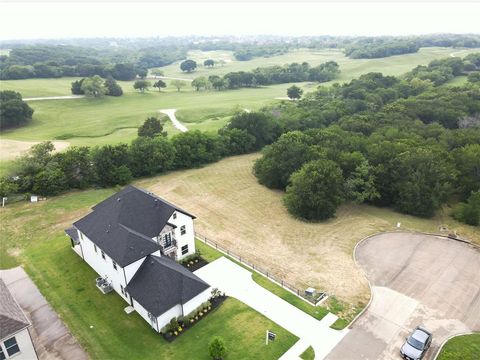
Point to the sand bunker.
(11, 149)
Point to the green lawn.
(464, 347)
(308, 354)
(32, 235)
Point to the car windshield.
(415, 343)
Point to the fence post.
(282, 283)
(253, 265)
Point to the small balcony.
(104, 285)
(168, 248)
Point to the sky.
(69, 19)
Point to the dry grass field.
(249, 219)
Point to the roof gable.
(124, 224)
(160, 283)
(12, 318)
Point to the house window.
(184, 249)
(103, 255)
(114, 265)
(167, 240)
(123, 290)
(2, 355)
(174, 215)
(11, 346)
(95, 247)
(182, 230)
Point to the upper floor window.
(182, 230)
(114, 265)
(174, 215)
(103, 255)
(184, 249)
(167, 239)
(11, 346)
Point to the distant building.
(15, 340)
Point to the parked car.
(417, 344)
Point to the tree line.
(269, 75)
(49, 61)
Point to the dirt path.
(65, 97)
(169, 78)
(171, 114)
(11, 149)
(50, 336)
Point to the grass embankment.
(308, 354)
(32, 235)
(464, 347)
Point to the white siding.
(188, 238)
(163, 319)
(24, 342)
(131, 269)
(194, 303)
(103, 267)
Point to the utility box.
(310, 292)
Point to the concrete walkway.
(237, 282)
(171, 114)
(66, 97)
(50, 336)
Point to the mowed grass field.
(351, 68)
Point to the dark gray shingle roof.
(161, 283)
(124, 224)
(12, 318)
(72, 232)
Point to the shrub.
(469, 212)
(216, 348)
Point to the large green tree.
(188, 65)
(151, 127)
(423, 181)
(142, 85)
(262, 127)
(94, 87)
(150, 156)
(315, 191)
(13, 110)
(283, 158)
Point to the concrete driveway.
(237, 282)
(50, 336)
(416, 280)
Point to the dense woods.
(53, 61)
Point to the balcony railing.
(168, 248)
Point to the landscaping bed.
(179, 326)
(194, 262)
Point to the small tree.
(113, 89)
(294, 92)
(142, 73)
(142, 85)
(179, 84)
(209, 63)
(159, 84)
(151, 127)
(94, 86)
(77, 87)
(188, 65)
(217, 348)
(200, 82)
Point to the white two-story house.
(133, 240)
